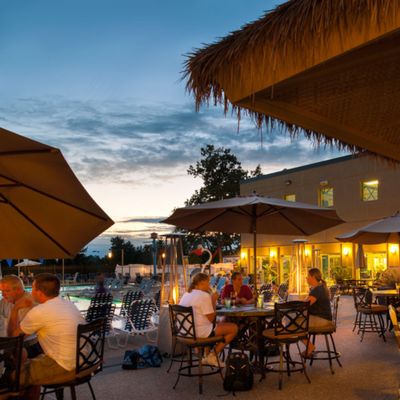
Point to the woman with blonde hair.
(199, 297)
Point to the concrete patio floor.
(370, 371)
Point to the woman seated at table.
(320, 314)
(241, 293)
(204, 305)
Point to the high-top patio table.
(254, 320)
(385, 293)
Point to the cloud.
(131, 142)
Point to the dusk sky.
(101, 80)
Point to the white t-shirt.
(55, 322)
(202, 306)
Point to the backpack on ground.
(238, 373)
(131, 359)
(146, 357)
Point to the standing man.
(54, 320)
(14, 305)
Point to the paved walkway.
(370, 371)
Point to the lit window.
(326, 197)
(370, 190)
(289, 197)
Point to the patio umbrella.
(255, 214)
(327, 69)
(45, 212)
(386, 230)
(26, 263)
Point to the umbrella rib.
(17, 183)
(23, 152)
(274, 210)
(35, 224)
(224, 211)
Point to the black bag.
(238, 373)
(131, 359)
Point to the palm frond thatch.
(295, 36)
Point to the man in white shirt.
(55, 321)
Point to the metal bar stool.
(330, 353)
(184, 332)
(289, 327)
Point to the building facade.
(362, 189)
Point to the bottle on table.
(233, 298)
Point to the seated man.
(15, 304)
(204, 305)
(242, 294)
(55, 321)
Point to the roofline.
(301, 168)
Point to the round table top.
(247, 311)
(386, 292)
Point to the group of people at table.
(51, 321)
(203, 300)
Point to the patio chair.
(89, 359)
(127, 300)
(104, 311)
(11, 356)
(183, 331)
(175, 346)
(368, 313)
(139, 321)
(290, 325)
(72, 280)
(330, 353)
(101, 298)
(283, 292)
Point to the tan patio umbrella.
(386, 230)
(328, 69)
(45, 212)
(255, 214)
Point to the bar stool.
(11, 356)
(289, 327)
(368, 313)
(330, 353)
(183, 330)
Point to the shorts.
(212, 334)
(318, 322)
(43, 370)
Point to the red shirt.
(244, 292)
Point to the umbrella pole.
(63, 280)
(255, 260)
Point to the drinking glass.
(228, 302)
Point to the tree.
(132, 254)
(221, 172)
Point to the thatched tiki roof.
(327, 68)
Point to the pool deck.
(370, 371)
